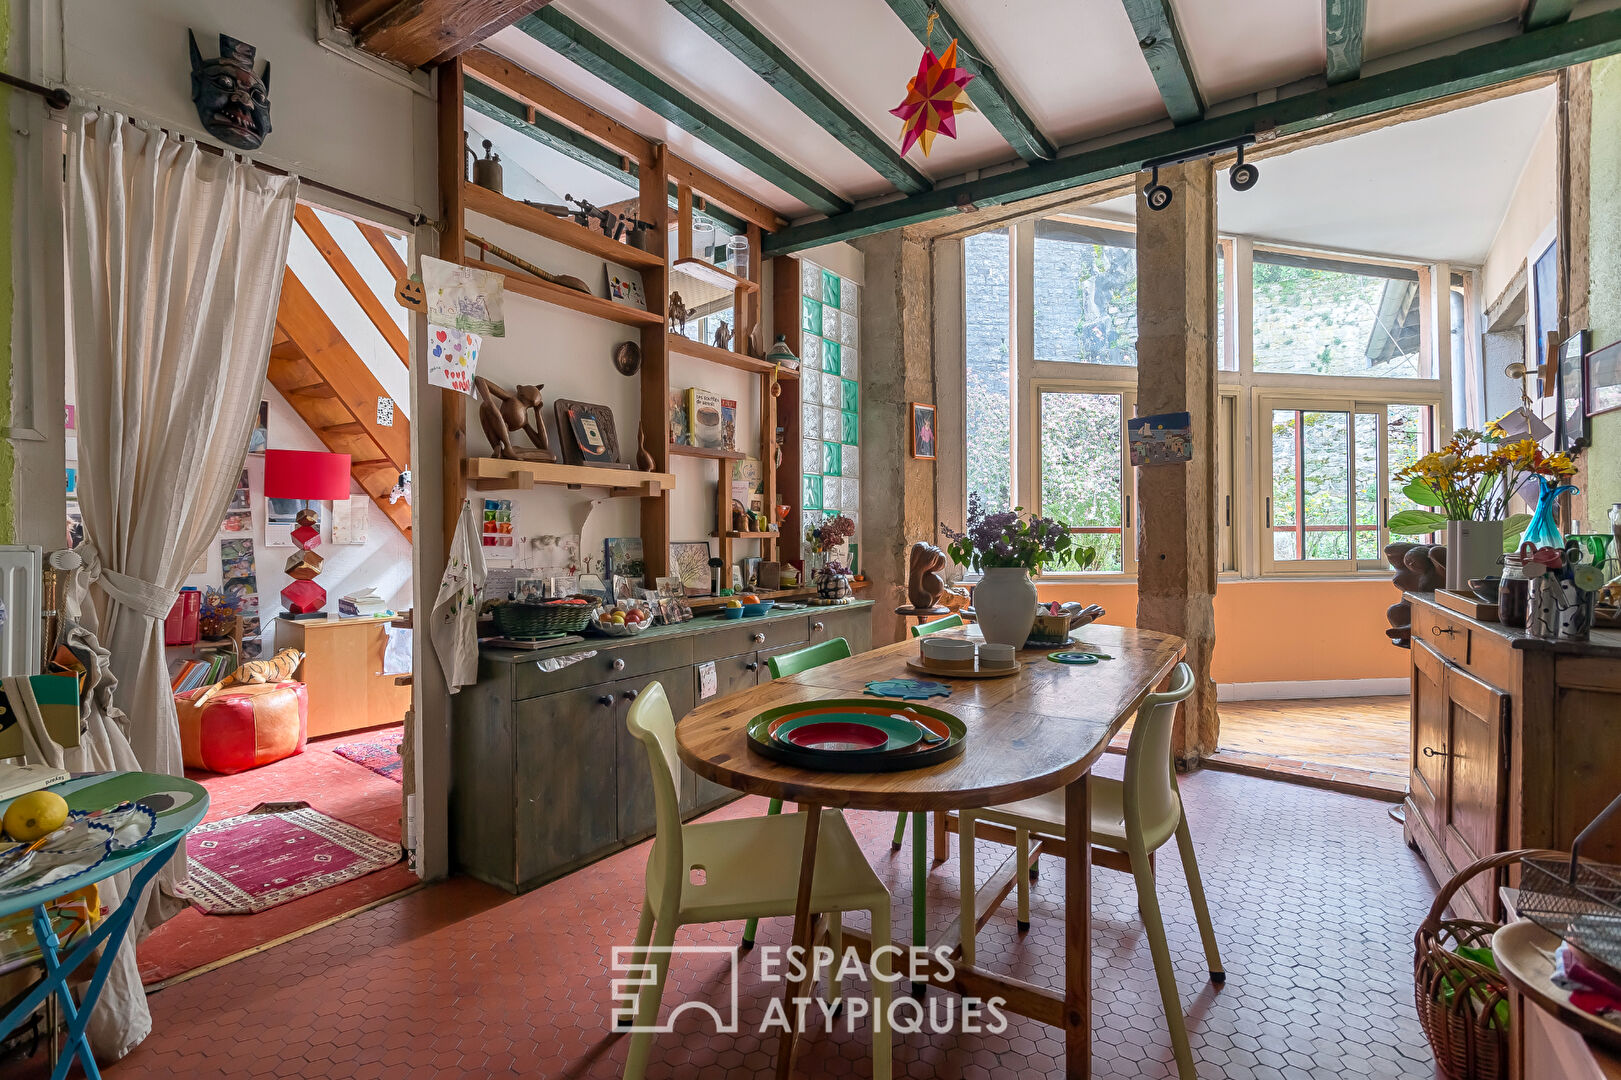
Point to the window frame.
(1127, 392)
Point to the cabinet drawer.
(753, 636)
(1441, 632)
(624, 659)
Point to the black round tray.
(920, 756)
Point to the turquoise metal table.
(179, 805)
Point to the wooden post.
(452, 243)
(655, 209)
(1176, 372)
(785, 321)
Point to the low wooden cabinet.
(547, 777)
(343, 672)
(1514, 743)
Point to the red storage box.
(180, 628)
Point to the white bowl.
(947, 649)
(993, 655)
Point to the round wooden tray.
(1523, 951)
(918, 663)
(920, 755)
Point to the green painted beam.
(1540, 13)
(1534, 53)
(557, 31)
(1161, 42)
(987, 91)
(1345, 20)
(739, 37)
(490, 102)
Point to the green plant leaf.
(1422, 493)
(1416, 522)
(1513, 526)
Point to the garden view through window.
(1315, 317)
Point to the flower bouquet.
(1006, 549)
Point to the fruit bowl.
(624, 629)
(758, 609)
(730, 613)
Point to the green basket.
(520, 621)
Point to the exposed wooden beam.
(803, 90)
(1344, 21)
(327, 245)
(1533, 53)
(562, 34)
(715, 190)
(380, 243)
(987, 91)
(1161, 41)
(416, 33)
(1540, 13)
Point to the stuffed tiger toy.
(276, 669)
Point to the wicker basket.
(1462, 1005)
(519, 621)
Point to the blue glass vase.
(1543, 531)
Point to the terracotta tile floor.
(1360, 743)
(333, 785)
(1313, 893)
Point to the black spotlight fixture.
(1242, 176)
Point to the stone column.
(1176, 372)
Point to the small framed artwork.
(625, 287)
(689, 562)
(587, 434)
(923, 431)
(1570, 430)
(1604, 379)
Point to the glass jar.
(1513, 592)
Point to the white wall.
(1530, 213)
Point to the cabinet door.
(1477, 766)
(633, 778)
(565, 776)
(1429, 734)
(732, 674)
(853, 625)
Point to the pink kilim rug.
(247, 864)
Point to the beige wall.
(1603, 458)
(1530, 213)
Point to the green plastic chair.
(792, 663)
(937, 625)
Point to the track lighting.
(1242, 176)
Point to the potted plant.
(1005, 549)
(825, 537)
(833, 580)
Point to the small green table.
(179, 805)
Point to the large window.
(1085, 298)
(1083, 472)
(986, 360)
(1317, 317)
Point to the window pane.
(1317, 318)
(1285, 425)
(1221, 311)
(1410, 434)
(985, 349)
(1085, 294)
(1367, 486)
(1310, 485)
(1080, 469)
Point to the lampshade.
(306, 474)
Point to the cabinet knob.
(618, 663)
(758, 639)
(1430, 751)
(817, 628)
(605, 700)
(752, 666)
(628, 695)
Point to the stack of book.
(186, 675)
(362, 602)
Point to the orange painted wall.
(1279, 631)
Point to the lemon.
(734, 603)
(34, 815)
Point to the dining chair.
(937, 625)
(1133, 818)
(746, 867)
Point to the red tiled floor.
(1313, 894)
(333, 785)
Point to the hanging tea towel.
(455, 610)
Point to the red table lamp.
(310, 475)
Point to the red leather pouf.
(244, 727)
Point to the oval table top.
(1027, 734)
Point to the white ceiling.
(1430, 190)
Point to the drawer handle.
(758, 639)
(605, 700)
(1432, 752)
(628, 695)
(618, 663)
(817, 627)
(1437, 631)
(755, 666)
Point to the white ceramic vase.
(1473, 550)
(1005, 605)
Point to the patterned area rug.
(275, 853)
(380, 753)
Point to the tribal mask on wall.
(232, 102)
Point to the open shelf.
(707, 272)
(749, 535)
(563, 230)
(572, 299)
(499, 474)
(680, 450)
(741, 361)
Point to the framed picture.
(1570, 429)
(923, 431)
(625, 287)
(587, 434)
(689, 562)
(1604, 379)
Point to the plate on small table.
(849, 733)
(764, 729)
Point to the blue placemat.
(908, 689)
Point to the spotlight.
(1242, 176)
(1158, 195)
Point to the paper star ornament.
(934, 97)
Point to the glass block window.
(830, 393)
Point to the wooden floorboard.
(1359, 745)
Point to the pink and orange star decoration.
(934, 97)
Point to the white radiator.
(20, 589)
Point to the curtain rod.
(55, 97)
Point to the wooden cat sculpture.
(501, 413)
(923, 581)
(277, 669)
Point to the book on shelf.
(704, 418)
(680, 430)
(728, 424)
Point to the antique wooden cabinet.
(546, 777)
(1516, 742)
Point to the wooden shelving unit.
(680, 450)
(573, 299)
(707, 272)
(499, 474)
(741, 361)
(577, 236)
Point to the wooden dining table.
(1029, 733)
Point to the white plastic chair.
(750, 869)
(1134, 817)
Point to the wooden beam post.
(1176, 372)
(785, 319)
(452, 242)
(655, 509)
(1161, 42)
(1343, 22)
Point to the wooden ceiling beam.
(327, 245)
(416, 33)
(1343, 21)
(1540, 13)
(495, 70)
(563, 35)
(987, 91)
(727, 26)
(1161, 41)
(380, 243)
(1536, 52)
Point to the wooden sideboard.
(547, 778)
(1515, 743)
(343, 672)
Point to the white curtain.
(174, 260)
